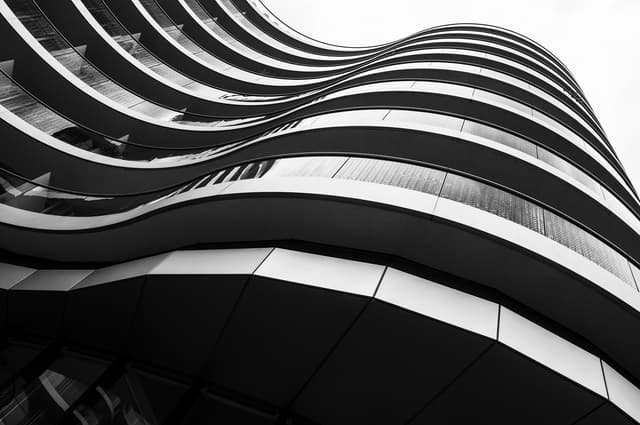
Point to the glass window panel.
(393, 173)
(499, 136)
(572, 236)
(425, 118)
(493, 200)
(44, 400)
(12, 359)
(135, 398)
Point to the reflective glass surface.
(392, 173)
(425, 118)
(47, 398)
(587, 245)
(496, 201)
(135, 398)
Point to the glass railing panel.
(425, 118)
(373, 87)
(35, 196)
(422, 179)
(486, 96)
(499, 136)
(42, 118)
(587, 245)
(493, 200)
(619, 207)
(138, 52)
(119, 95)
(175, 33)
(86, 72)
(505, 77)
(181, 80)
(366, 115)
(75, 63)
(560, 129)
(566, 167)
(248, 26)
(157, 13)
(462, 67)
(105, 18)
(31, 17)
(119, 34)
(323, 166)
(38, 115)
(156, 111)
(446, 88)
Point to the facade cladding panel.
(208, 217)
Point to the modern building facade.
(208, 217)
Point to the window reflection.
(45, 399)
(135, 398)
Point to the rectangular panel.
(493, 200)
(579, 240)
(414, 177)
(499, 136)
(425, 118)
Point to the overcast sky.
(598, 40)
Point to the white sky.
(598, 40)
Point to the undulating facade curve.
(209, 217)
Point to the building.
(207, 217)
